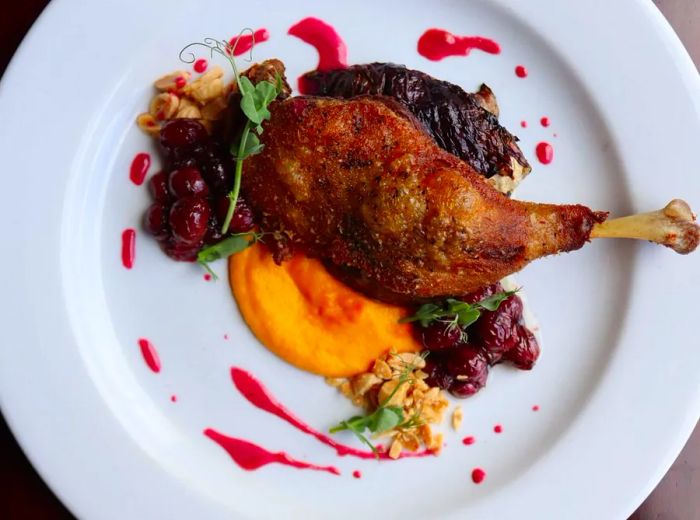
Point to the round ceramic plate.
(617, 384)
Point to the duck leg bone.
(673, 226)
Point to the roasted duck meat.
(462, 123)
(360, 184)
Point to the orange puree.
(310, 319)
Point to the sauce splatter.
(139, 168)
(173, 398)
(498, 428)
(226, 336)
(250, 456)
(536, 408)
(128, 247)
(436, 44)
(357, 473)
(243, 43)
(478, 475)
(545, 121)
(521, 71)
(200, 65)
(544, 152)
(150, 355)
(258, 396)
(180, 82)
(523, 124)
(207, 277)
(332, 51)
(469, 440)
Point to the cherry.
(182, 134)
(187, 181)
(437, 373)
(158, 186)
(483, 293)
(469, 368)
(495, 330)
(526, 351)
(213, 234)
(182, 252)
(156, 220)
(214, 171)
(440, 336)
(188, 220)
(242, 219)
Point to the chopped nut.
(171, 81)
(382, 369)
(409, 440)
(164, 106)
(206, 87)
(395, 450)
(148, 124)
(187, 109)
(457, 417)
(346, 389)
(362, 383)
(406, 359)
(386, 390)
(335, 381)
(435, 443)
(214, 110)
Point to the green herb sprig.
(227, 247)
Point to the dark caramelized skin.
(359, 184)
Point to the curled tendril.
(222, 47)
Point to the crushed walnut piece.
(457, 417)
(398, 380)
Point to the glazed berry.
(469, 368)
(182, 134)
(187, 182)
(156, 220)
(214, 170)
(188, 220)
(158, 187)
(440, 336)
(437, 373)
(242, 219)
(182, 252)
(495, 331)
(482, 293)
(526, 351)
(213, 234)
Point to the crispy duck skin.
(359, 184)
(465, 124)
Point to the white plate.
(617, 384)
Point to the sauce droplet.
(521, 71)
(478, 475)
(436, 44)
(498, 428)
(150, 355)
(468, 441)
(180, 82)
(139, 168)
(200, 65)
(545, 121)
(225, 336)
(173, 398)
(357, 473)
(536, 408)
(332, 51)
(243, 43)
(523, 124)
(207, 277)
(128, 247)
(545, 152)
(250, 456)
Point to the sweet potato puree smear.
(311, 320)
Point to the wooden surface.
(24, 496)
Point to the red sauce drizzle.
(200, 65)
(258, 396)
(243, 43)
(250, 456)
(173, 398)
(536, 408)
(523, 124)
(180, 82)
(436, 44)
(357, 473)
(139, 168)
(545, 121)
(521, 71)
(128, 247)
(478, 475)
(498, 428)
(332, 51)
(468, 441)
(150, 355)
(545, 152)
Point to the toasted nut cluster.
(423, 404)
(457, 417)
(205, 98)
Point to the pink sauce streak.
(173, 398)
(478, 475)
(332, 51)
(250, 456)
(243, 43)
(128, 247)
(258, 396)
(468, 441)
(536, 408)
(523, 124)
(521, 71)
(150, 355)
(200, 65)
(357, 473)
(139, 168)
(545, 121)
(544, 152)
(436, 44)
(498, 428)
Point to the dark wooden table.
(23, 495)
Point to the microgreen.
(227, 247)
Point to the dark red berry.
(440, 336)
(214, 170)
(526, 351)
(188, 220)
(187, 182)
(182, 134)
(158, 186)
(181, 252)
(469, 368)
(482, 293)
(242, 219)
(156, 220)
(495, 331)
(213, 234)
(437, 373)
